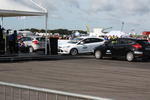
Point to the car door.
(95, 42)
(83, 46)
(120, 47)
(109, 48)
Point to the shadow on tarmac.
(36, 57)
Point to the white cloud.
(73, 3)
(98, 12)
(48, 4)
(121, 6)
(102, 5)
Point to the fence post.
(37, 95)
(46, 96)
(56, 97)
(67, 97)
(12, 93)
(4, 92)
(20, 92)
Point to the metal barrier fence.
(9, 91)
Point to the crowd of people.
(131, 36)
(8, 42)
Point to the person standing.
(15, 44)
(2, 41)
(10, 42)
(13, 47)
(1, 33)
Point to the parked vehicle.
(124, 47)
(34, 43)
(80, 45)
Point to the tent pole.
(2, 21)
(46, 38)
(2, 25)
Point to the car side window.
(122, 41)
(25, 39)
(112, 43)
(28, 39)
(22, 39)
(125, 42)
(93, 40)
(86, 41)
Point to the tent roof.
(11, 8)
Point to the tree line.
(60, 31)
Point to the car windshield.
(75, 40)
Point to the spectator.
(13, 45)
(10, 43)
(1, 33)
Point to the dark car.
(124, 47)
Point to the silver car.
(80, 45)
(34, 43)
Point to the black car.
(124, 47)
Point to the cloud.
(74, 3)
(121, 6)
(135, 6)
(102, 5)
(48, 4)
(98, 12)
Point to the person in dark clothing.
(2, 41)
(10, 39)
(13, 45)
(1, 33)
(7, 40)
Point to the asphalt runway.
(115, 79)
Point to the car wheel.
(130, 56)
(74, 52)
(31, 50)
(98, 54)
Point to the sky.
(76, 14)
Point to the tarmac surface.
(115, 79)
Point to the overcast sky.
(76, 14)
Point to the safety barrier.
(9, 91)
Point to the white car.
(80, 45)
(34, 43)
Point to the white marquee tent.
(10, 8)
(116, 33)
(13, 8)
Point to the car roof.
(84, 37)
